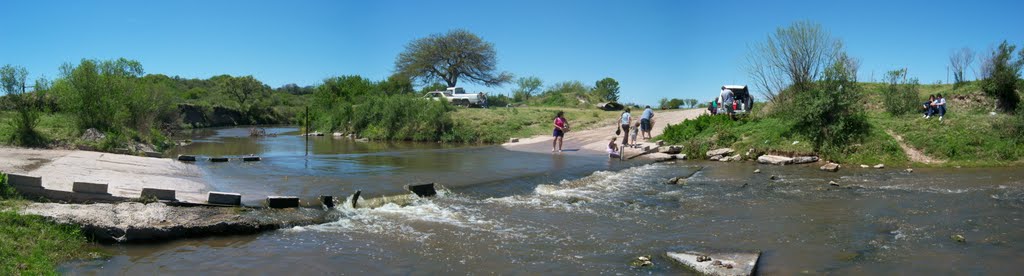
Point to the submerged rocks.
(830, 167)
(774, 159)
(719, 152)
(958, 238)
(879, 166)
(757, 170)
(833, 183)
(642, 261)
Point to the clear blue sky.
(655, 49)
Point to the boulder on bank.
(670, 149)
(93, 135)
(774, 159)
(721, 151)
(804, 159)
(132, 221)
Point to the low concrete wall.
(225, 198)
(282, 201)
(251, 158)
(24, 180)
(218, 159)
(89, 188)
(160, 194)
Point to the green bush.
(900, 96)
(830, 113)
(690, 129)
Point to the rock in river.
(721, 151)
(725, 263)
(774, 160)
(830, 167)
(804, 159)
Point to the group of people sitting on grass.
(936, 105)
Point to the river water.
(506, 212)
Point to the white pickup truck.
(458, 96)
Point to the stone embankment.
(138, 222)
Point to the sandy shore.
(596, 140)
(125, 175)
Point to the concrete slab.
(250, 159)
(282, 201)
(327, 201)
(89, 188)
(218, 159)
(719, 264)
(224, 198)
(187, 158)
(161, 194)
(25, 180)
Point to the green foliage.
(830, 114)
(450, 56)
(243, 90)
(526, 87)
(391, 118)
(901, 96)
(607, 89)
(1002, 82)
(12, 81)
(690, 129)
(6, 190)
(665, 103)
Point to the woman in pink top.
(561, 127)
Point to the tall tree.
(244, 90)
(792, 57)
(1002, 80)
(450, 56)
(607, 89)
(959, 61)
(526, 87)
(12, 81)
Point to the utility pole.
(307, 131)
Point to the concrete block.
(154, 154)
(250, 158)
(422, 190)
(224, 198)
(282, 201)
(161, 194)
(513, 140)
(187, 158)
(24, 180)
(327, 201)
(89, 188)
(218, 159)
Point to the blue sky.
(655, 49)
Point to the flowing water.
(577, 213)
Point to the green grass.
(54, 127)
(497, 125)
(961, 139)
(31, 245)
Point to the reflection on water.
(544, 222)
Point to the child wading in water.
(613, 149)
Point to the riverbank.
(970, 135)
(595, 139)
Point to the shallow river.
(577, 213)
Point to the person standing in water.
(561, 127)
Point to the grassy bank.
(968, 135)
(31, 245)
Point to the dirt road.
(596, 140)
